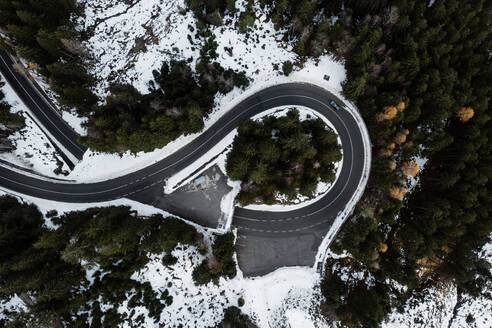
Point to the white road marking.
(56, 126)
(200, 147)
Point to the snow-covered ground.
(474, 312)
(75, 122)
(272, 301)
(118, 29)
(283, 297)
(127, 44)
(437, 308)
(15, 305)
(33, 149)
(128, 41)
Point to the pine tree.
(22, 34)
(68, 73)
(49, 42)
(20, 226)
(30, 19)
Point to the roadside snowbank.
(75, 122)
(228, 201)
(33, 149)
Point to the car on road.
(335, 105)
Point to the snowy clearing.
(128, 42)
(271, 301)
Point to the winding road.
(42, 111)
(266, 240)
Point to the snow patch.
(33, 149)
(14, 304)
(75, 122)
(299, 319)
(128, 42)
(435, 310)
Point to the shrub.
(169, 260)
(220, 264)
(287, 67)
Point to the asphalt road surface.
(266, 240)
(61, 135)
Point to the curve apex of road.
(266, 240)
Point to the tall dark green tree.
(283, 155)
(42, 33)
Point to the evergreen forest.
(44, 33)
(420, 74)
(282, 155)
(47, 267)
